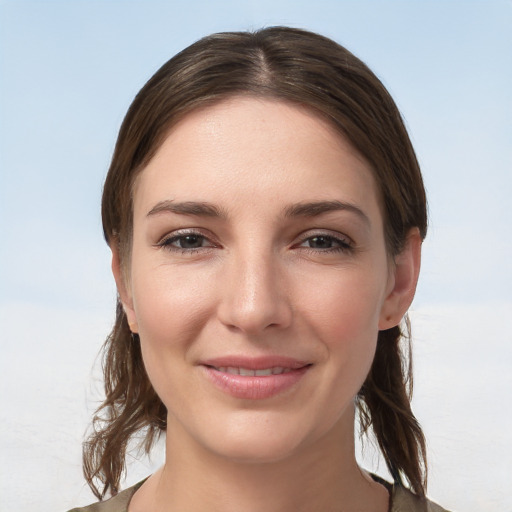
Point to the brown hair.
(299, 67)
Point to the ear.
(402, 282)
(123, 288)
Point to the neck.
(323, 476)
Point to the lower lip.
(255, 388)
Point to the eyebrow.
(187, 208)
(316, 208)
(309, 209)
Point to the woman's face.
(258, 278)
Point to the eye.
(326, 243)
(186, 242)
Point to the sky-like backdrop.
(68, 72)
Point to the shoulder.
(119, 503)
(404, 500)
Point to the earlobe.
(123, 289)
(404, 277)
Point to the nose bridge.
(255, 298)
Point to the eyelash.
(167, 242)
(341, 244)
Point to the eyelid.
(344, 242)
(166, 240)
(336, 235)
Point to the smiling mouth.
(262, 381)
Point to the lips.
(255, 378)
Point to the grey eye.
(186, 241)
(322, 242)
(189, 241)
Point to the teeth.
(246, 372)
(261, 373)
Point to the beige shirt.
(401, 500)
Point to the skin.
(256, 281)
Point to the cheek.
(172, 310)
(348, 303)
(170, 304)
(344, 315)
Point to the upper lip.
(255, 363)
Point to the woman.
(265, 212)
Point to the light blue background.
(68, 71)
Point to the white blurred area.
(68, 71)
(462, 398)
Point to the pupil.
(321, 242)
(191, 242)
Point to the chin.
(261, 438)
(256, 450)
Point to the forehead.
(249, 148)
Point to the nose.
(254, 296)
